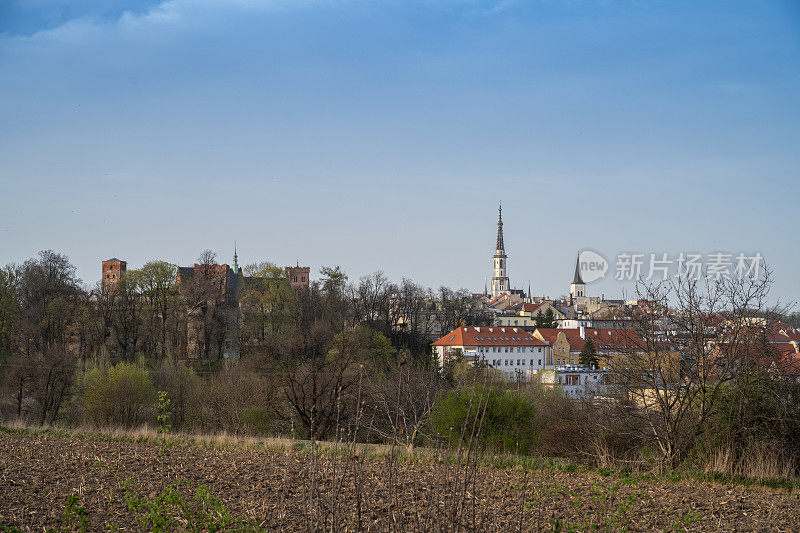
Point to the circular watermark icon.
(592, 265)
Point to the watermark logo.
(714, 266)
(636, 266)
(593, 266)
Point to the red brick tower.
(298, 276)
(112, 270)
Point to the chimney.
(583, 332)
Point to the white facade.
(576, 381)
(515, 321)
(574, 323)
(500, 283)
(523, 362)
(511, 350)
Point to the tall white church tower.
(500, 284)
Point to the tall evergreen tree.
(550, 319)
(588, 355)
(539, 319)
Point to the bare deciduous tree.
(693, 337)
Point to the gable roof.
(573, 336)
(778, 332)
(489, 336)
(603, 339)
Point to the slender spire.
(529, 289)
(235, 259)
(500, 245)
(578, 279)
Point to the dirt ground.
(294, 491)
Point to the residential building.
(513, 351)
(567, 344)
(533, 309)
(577, 381)
(515, 320)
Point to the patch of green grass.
(685, 520)
(176, 507)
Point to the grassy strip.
(378, 451)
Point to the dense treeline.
(67, 349)
(345, 359)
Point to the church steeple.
(500, 245)
(500, 283)
(577, 278)
(577, 289)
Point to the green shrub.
(124, 395)
(181, 384)
(256, 419)
(509, 421)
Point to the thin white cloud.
(191, 14)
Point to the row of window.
(508, 349)
(510, 362)
(498, 338)
(516, 322)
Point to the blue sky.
(383, 134)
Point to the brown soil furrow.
(275, 491)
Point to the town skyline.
(629, 267)
(304, 132)
(399, 265)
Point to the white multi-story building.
(576, 381)
(514, 351)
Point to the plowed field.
(116, 483)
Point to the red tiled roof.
(790, 364)
(573, 336)
(495, 300)
(604, 339)
(787, 348)
(783, 333)
(489, 336)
